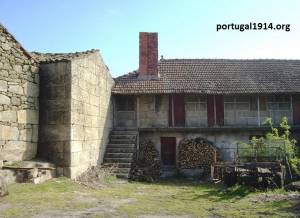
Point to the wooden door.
(219, 110)
(179, 110)
(168, 150)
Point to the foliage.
(277, 144)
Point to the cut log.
(148, 164)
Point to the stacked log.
(148, 164)
(197, 153)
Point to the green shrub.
(276, 145)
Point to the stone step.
(118, 165)
(132, 137)
(117, 160)
(119, 155)
(124, 132)
(122, 141)
(119, 145)
(119, 149)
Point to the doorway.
(168, 150)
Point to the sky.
(186, 29)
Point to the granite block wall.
(91, 112)
(76, 113)
(55, 100)
(19, 106)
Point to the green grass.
(163, 198)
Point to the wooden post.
(292, 112)
(258, 111)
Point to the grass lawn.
(64, 198)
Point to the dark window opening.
(125, 103)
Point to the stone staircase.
(120, 152)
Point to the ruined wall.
(54, 129)
(76, 113)
(19, 106)
(153, 112)
(91, 112)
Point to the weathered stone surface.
(8, 116)
(8, 133)
(4, 99)
(15, 101)
(28, 116)
(31, 89)
(3, 86)
(16, 89)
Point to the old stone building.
(67, 109)
(225, 101)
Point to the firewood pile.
(148, 165)
(197, 153)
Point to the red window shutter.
(296, 109)
(219, 99)
(210, 111)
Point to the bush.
(276, 145)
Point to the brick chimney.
(148, 56)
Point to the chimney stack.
(148, 56)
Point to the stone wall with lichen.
(19, 106)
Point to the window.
(125, 103)
(195, 103)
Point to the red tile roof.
(216, 76)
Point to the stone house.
(66, 107)
(222, 100)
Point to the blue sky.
(186, 29)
